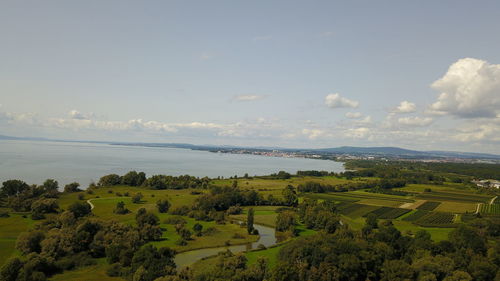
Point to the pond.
(266, 238)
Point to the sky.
(415, 74)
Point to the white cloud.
(248, 97)
(415, 121)
(357, 133)
(364, 121)
(353, 115)
(336, 101)
(75, 114)
(469, 89)
(405, 107)
(313, 134)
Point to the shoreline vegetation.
(391, 220)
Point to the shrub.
(234, 210)
(181, 242)
(136, 199)
(182, 211)
(112, 179)
(238, 236)
(114, 270)
(175, 220)
(72, 187)
(163, 206)
(210, 231)
(81, 197)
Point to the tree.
(283, 175)
(396, 270)
(50, 185)
(148, 225)
(120, 208)
(185, 233)
(29, 242)
(290, 196)
(458, 275)
(72, 187)
(10, 269)
(44, 206)
(197, 228)
(109, 180)
(163, 205)
(14, 187)
(250, 217)
(80, 209)
(371, 221)
(133, 178)
(137, 198)
(467, 238)
(285, 221)
(155, 263)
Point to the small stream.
(267, 238)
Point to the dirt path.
(90, 203)
(493, 200)
(477, 208)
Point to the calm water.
(266, 238)
(34, 161)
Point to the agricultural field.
(415, 215)
(453, 196)
(456, 207)
(436, 219)
(491, 209)
(355, 210)
(429, 206)
(388, 212)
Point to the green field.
(10, 228)
(95, 272)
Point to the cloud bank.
(469, 89)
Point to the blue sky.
(270, 73)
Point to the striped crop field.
(418, 214)
(429, 206)
(493, 209)
(388, 212)
(453, 196)
(354, 210)
(436, 219)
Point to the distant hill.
(381, 151)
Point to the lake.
(35, 161)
